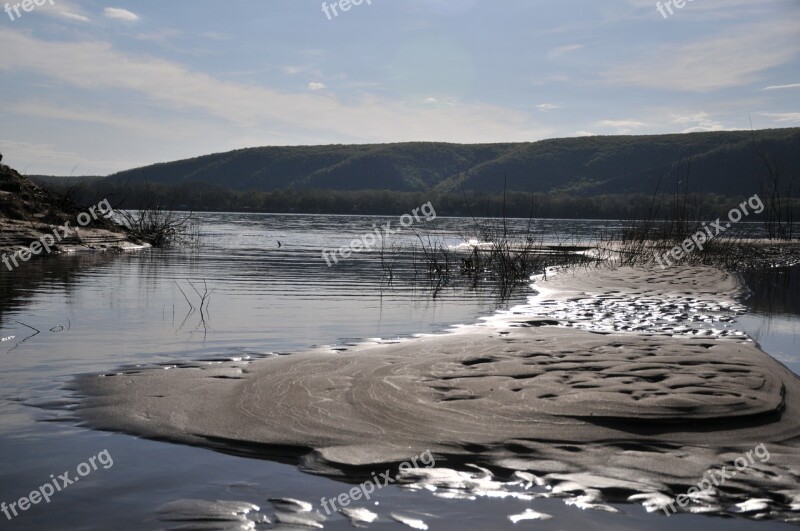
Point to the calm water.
(775, 307)
(94, 313)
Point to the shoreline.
(35, 222)
(16, 236)
(574, 404)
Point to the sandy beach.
(611, 384)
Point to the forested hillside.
(595, 177)
(720, 162)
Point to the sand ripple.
(595, 412)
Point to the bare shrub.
(160, 227)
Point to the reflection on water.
(774, 320)
(96, 312)
(775, 291)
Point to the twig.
(191, 306)
(28, 326)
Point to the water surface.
(271, 292)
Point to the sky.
(94, 87)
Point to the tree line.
(204, 197)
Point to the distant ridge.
(719, 162)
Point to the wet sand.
(612, 384)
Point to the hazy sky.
(106, 86)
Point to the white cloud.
(98, 68)
(698, 122)
(292, 70)
(120, 14)
(782, 87)
(621, 123)
(622, 127)
(63, 9)
(584, 133)
(92, 115)
(317, 86)
(707, 9)
(726, 61)
(563, 50)
(783, 116)
(547, 107)
(74, 16)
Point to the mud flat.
(609, 385)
